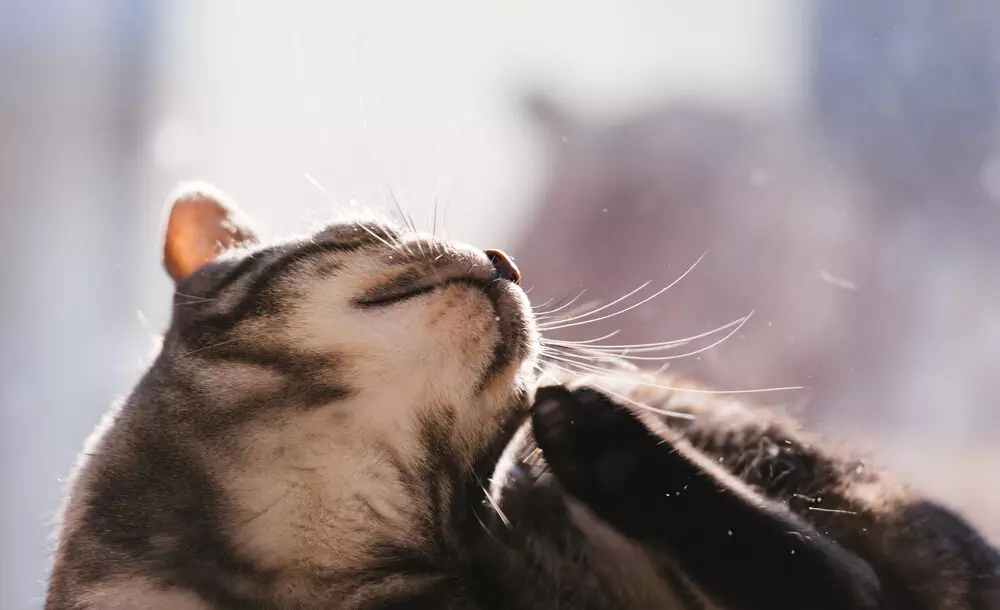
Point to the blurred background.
(838, 162)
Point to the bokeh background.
(838, 162)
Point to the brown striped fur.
(342, 421)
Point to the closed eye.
(397, 292)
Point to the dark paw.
(595, 448)
(662, 493)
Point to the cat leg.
(926, 556)
(741, 549)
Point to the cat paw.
(596, 448)
(666, 496)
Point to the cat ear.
(203, 223)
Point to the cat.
(322, 423)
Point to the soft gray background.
(105, 104)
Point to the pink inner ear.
(201, 226)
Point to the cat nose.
(503, 267)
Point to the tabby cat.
(353, 420)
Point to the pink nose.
(505, 268)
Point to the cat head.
(312, 400)
(400, 323)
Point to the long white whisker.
(592, 312)
(493, 503)
(191, 299)
(559, 343)
(630, 307)
(648, 347)
(191, 296)
(319, 187)
(581, 309)
(632, 402)
(597, 355)
(576, 361)
(599, 372)
(322, 190)
(560, 307)
(536, 307)
(627, 356)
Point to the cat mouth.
(506, 298)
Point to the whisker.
(493, 503)
(190, 300)
(580, 309)
(207, 347)
(599, 372)
(700, 350)
(560, 307)
(479, 519)
(560, 343)
(191, 296)
(665, 412)
(569, 359)
(589, 313)
(591, 357)
(546, 373)
(319, 187)
(630, 307)
(322, 190)
(832, 510)
(650, 347)
(723, 392)
(535, 307)
(376, 236)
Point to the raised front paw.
(740, 548)
(597, 449)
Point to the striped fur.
(342, 421)
(317, 432)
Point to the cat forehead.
(346, 239)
